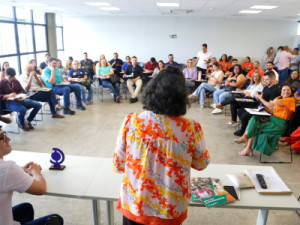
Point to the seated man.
(116, 63)
(54, 79)
(21, 179)
(255, 69)
(171, 61)
(31, 81)
(136, 71)
(230, 70)
(78, 76)
(270, 67)
(10, 87)
(151, 65)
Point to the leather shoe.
(68, 111)
(5, 119)
(24, 127)
(56, 115)
(29, 125)
(81, 107)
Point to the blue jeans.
(115, 88)
(221, 95)
(43, 96)
(204, 87)
(65, 90)
(24, 214)
(22, 107)
(190, 83)
(283, 75)
(90, 93)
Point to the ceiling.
(287, 9)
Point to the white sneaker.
(216, 111)
(213, 106)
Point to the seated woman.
(233, 81)
(294, 81)
(61, 68)
(5, 66)
(104, 72)
(160, 67)
(247, 65)
(156, 150)
(249, 93)
(263, 136)
(224, 63)
(69, 64)
(213, 84)
(190, 73)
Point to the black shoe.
(81, 107)
(135, 100)
(131, 100)
(238, 133)
(68, 111)
(53, 220)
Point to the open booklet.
(19, 97)
(273, 181)
(257, 112)
(209, 191)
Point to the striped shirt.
(155, 152)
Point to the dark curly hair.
(166, 93)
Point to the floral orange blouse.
(156, 152)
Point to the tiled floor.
(93, 133)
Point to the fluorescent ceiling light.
(250, 11)
(263, 7)
(37, 4)
(109, 8)
(167, 4)
(97, 3)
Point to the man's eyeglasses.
(4, 136)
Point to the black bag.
(229, 88)
(87, 84)
(114, 78)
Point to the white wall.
(145, 37)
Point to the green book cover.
(209, 192)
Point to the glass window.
(25, 38)
(61, 56)
(25, 60)
(8, 39)
(39, 17)
(40, 57)
(40, 38)
(58, 20)
(13, 62)
(59, 37)
(6, 12)
(23, 15)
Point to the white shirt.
(216, 76)
(12, 178)
(24, 79)
(202, 57)
(253, 88)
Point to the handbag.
(87, 84)
(229, 88)
(114, 78)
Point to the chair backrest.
(141, 64)
(182, 66)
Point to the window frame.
(32, 23)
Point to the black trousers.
(127, 221)
(235, 106)
(244, 117)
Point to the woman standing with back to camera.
(156, 150)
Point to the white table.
(84, 178)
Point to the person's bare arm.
(38, 186)
(52, 78)
(220, 78)
(28, 85)
(266, 103)
(239, 82)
